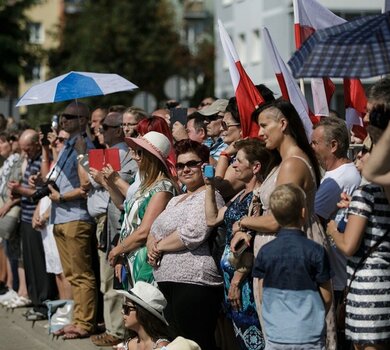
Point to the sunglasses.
(192, 164)
(136, 152)
(61, 139)
(365, 150)
(127, 308)
(71, 116)
(105, 127)
(227, 126)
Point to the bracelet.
(80, 156)
(44, 160)
(123, 246)
(240, 223)
(225, 154)
(330, 237)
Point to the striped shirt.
(28, 207)
(368, 302)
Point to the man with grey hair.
(330, 141)
(40, 284)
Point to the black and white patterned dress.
(368, 302)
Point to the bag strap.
(362, 260)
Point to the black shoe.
(3, 288)
(35, 316)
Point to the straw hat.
(181, 343)
(153, 142)
(147, 296)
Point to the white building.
(243, 20)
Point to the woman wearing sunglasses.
(155, 191)
(142, 312)
(253, 163)
(178, 248)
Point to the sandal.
(105, 339)
(76, 333)
(63, 330)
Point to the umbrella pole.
(302, 86)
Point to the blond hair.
(286, 203)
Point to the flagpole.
(302, 86)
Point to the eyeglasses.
(127, 308)
(61, 139)
(70, 116)
(105, 127)
(227, 126)
(127, 125)
(192, 164)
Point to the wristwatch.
(62, 199)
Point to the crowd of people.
(188, 235)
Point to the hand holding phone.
(209, 171)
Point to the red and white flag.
(248, 97)
(309, 16)
(288, 86)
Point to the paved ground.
(18, 334)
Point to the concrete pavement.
(18, 334)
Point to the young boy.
(295, 278)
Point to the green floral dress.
(136, 262)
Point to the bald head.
(29, 143)
(114, 119)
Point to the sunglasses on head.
(226, 126)
(127, 308)
(71, 116)
(192, 164)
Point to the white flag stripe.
(367, 323)
(230, 54)
(352, 117)
(319, 95)
(312, 14)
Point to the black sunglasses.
(71, 116)
(192, 164)
(61, 139)
(365, 150)
(106, 127)
(126, 308)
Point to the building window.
(256, 46)
(36, 72)
(36, 33)
(242, 49)
(227, 2)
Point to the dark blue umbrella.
(355, 49)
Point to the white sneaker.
(19, 302)
(11, 294)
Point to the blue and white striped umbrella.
(74, 85)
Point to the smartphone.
(208, 171)
(240, 248)
(45, 129)
(178, 115)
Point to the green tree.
(16, 51)
(137, 39)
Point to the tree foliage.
(137, 39)
(16, 51)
